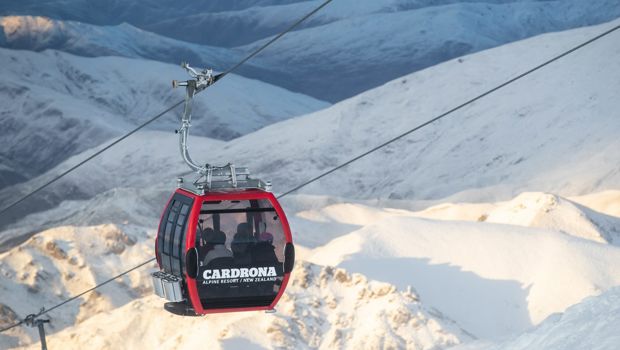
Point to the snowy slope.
(359, 45)
(367, 49)
(591, 324)
(530, 209)
(543, 210)
(494, 280)
(318, 312)
(546, 132)
(55, 105)
(607, 202)
(64, 261)
(39, 33)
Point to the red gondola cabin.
(223, 250)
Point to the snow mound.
(457, 211)
(544, 210)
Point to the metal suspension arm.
(227, 176)
(202, 80)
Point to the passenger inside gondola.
(216, 247)
(241, 245)
(264, 255)
(203, 238)
(244, 266)
(264, 251)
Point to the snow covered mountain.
(136, 12)
(367, 274)
(547, 131)
(55, 105)
(493, 280)
(40, 33)
(323, 308)
(358, 45)
(424, 283)
(390, 39)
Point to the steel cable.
(44, 311)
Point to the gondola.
(224, 243)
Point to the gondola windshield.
(240, 248)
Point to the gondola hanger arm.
(201, 81)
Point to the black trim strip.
(245, 210)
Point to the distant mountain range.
(55, 105)
(554, 130)
(348, 47)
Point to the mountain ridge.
(359, 46)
